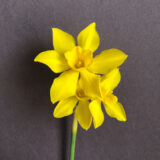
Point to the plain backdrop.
(28, 130)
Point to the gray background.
(27, 129)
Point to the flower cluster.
(85, 81)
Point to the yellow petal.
(110, 81)
(56, 62)
(89, 38)
(90, 82)
(107, 60)
(62, 41)
(109, 97)
(65, 107)
(78, 58)
(115, 110)
(96, 112)
(64, 86)
(83, 114)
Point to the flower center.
(81, 95)
(78, 58)
(79, 64)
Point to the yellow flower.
(79, 101)
(75, 61)
(113, 108)
(89, 108)
(86, 107)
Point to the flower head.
(110, 102)
(89, 108)
(80, 67)
(79, 103)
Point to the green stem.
(74, 134)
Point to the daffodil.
(77, 61)
(85, 81)
(110, 102)
(113, 108)
(108, 83)
(79, 103)
(89, 108)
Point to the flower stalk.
(73, 138)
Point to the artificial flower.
(77, 61)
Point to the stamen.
(81, 95)
(79, 64)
